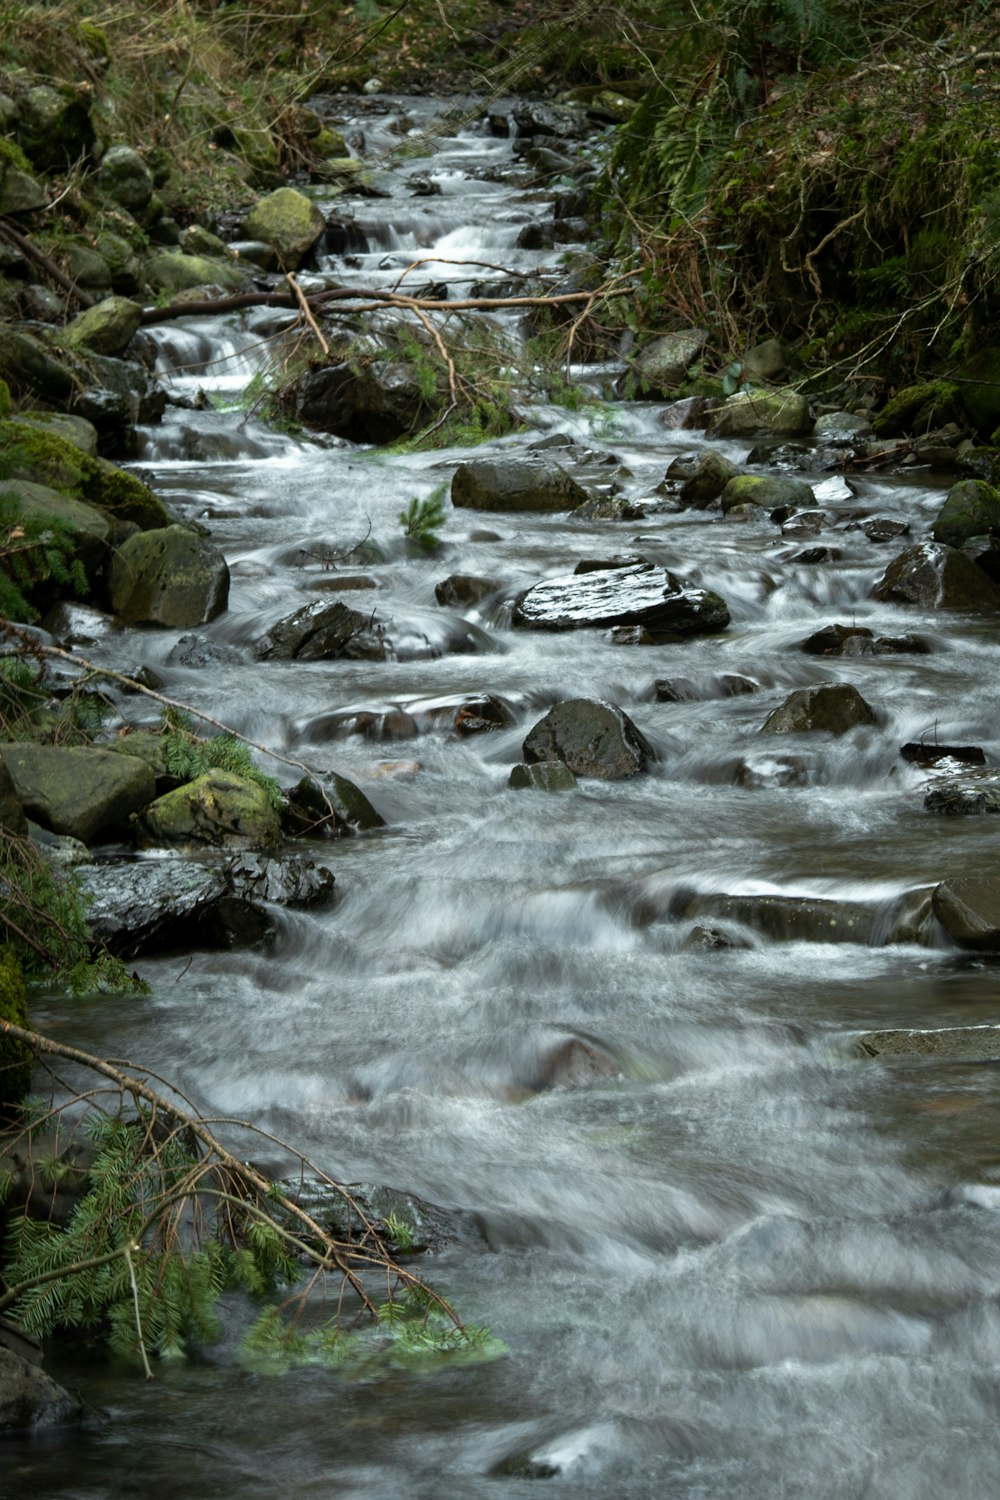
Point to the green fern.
(33, 553)
(421, 519)
(186, 756)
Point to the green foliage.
(400, 1231)
(15, 1055)
(421, 519)
(135, 1253)
(33, 553)
(410, 1333)
(186, 756)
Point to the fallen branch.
(44, 262)
(303, 302)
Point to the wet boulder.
(32, 370)
(218, 808)
(814, 919)
(966, 796)
(782, 413)
(86, 530)
(956, 1043)
(30, 1399)
(969, 911)
(170, 576)
(935, 576)
(152, 906)
(78, 790)
(515, 484)
(329, 807)
(545, 776)
(641, 594)
(568, 1064)
(592, 738)
(463, 590)
(830, 708)
(705, 479)
(377, 401)
(289, 222)
(319, 632)
(830, 640)
(971, 508)
(766, 490)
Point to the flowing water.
(751, 1264)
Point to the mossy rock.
(50, 459)
(759, 413)
(172, 272)
(89, 532)
(289, 222)
(106, 328)
(15, 1055)
(219, 808)
(76, 431)
(169, 576)
(20, 193)
(920, 408)
(124, 177)
(31, 370)
(971, 508)
(54, 127)
(766, 490)
(79, 790)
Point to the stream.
(751, 1263)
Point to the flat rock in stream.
(515, 484)
(964, 796)
(153, 906)
(592, 738)
(642, 594)
(955, 1043)
(816, 919)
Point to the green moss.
(11, 155)
(919, 408)
(4, 400)
(49, 459)
(15, 1055)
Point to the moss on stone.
(919, 408)
(50, 459)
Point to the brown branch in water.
(44, 262)
(324, 1249)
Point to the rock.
(662, 365)
(20, 193)
(830, 640)
(884, 529)
(87, 530)
(768, 770)
(482, 715)
(841, 427)
(546, 776)
(170, 577)
(935, 576)
(150, 906)
(329, 808)
(76, 431)
(831, 708)
(77, 790)
(591, 738)
(642, 594)
(218, 808)
(12, 819)
(289, 222)
(980, 390)
(88, 268)
(463, 590)
(318, 632)
(29, 1399)
(515, 484)
(813, 919)
(172, 272)
(919, 753)
(969, 911)
(54, 127)
(376, 402)
(966, 796)
(568, 1065)
(125, 178)
(765, 361)
(31, 370)
(125, 394)
(783, 413)
(919, 409)
(956, 1043)
(106, 328)
(610, 508)
(707, 480)
(715, 939)
(766, 490)
(971, 508)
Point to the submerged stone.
(545, 776)
(969, 911)
(638, 595)
(956, 1043)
